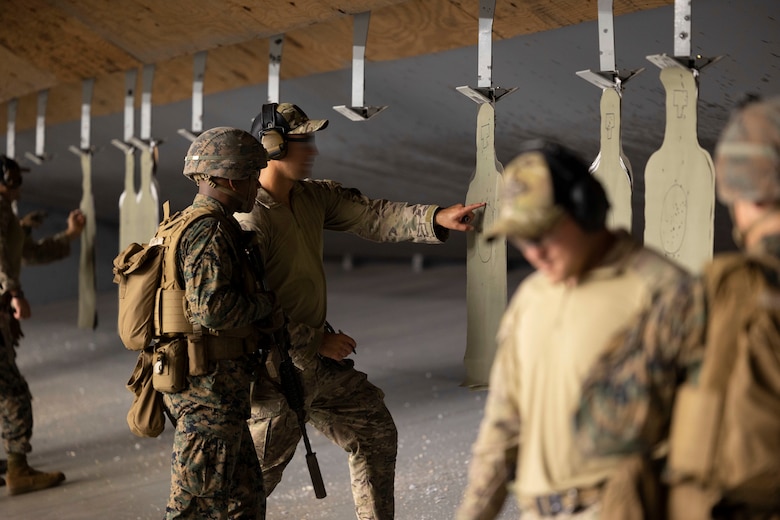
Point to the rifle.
(291, 382)
(293, 392)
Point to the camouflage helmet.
(747, 157)
(542, 184)
(225, 152)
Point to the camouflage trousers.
(215, 474)
(16, 417)
(350, 411)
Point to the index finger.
(472, 207)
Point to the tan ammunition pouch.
(169, 374)
(190, 349)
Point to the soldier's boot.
(21, 478)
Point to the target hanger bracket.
(485, 92)
(275, 47)
(146, 142)
(198, 75)
(85, 148)
(358, 111)
(129, 125)
(609, 76)
(682, 43)
(40, 131)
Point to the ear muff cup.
(274, 143)
(270, 128)
(589, 204)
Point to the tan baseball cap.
(297, 121)
(527, 202)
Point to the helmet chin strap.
(227, 191)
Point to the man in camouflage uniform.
(588, 284)
(215, 473)
(16, 247)
(630, 394)
(289, 217)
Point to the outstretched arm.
(458, 216)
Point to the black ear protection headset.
(575, 189)
(271, 128)
(12, 174)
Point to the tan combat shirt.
(291, 238)
(549, 337)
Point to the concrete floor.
(410, 330)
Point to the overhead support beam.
(358, 111)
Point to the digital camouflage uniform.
(628, 398)
(18, 247)
(215, 473)
(340, 401)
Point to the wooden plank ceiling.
(55, 44)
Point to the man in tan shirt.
(589, 283)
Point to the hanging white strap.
(275, 44)
(10, 136)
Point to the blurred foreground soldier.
(16, 247)
(215, 473)
(702, 366)
(589, 283)
(289, 217)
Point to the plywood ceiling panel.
(56, 44)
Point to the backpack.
(146, 310)
(726, 429)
